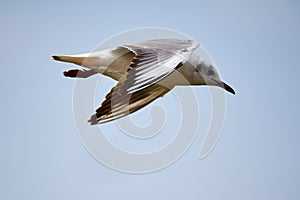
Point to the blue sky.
(256, 47)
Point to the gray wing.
(154, 60)
(117, 105)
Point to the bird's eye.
(210, 72)
(199, 67)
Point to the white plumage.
(145, 71)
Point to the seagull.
(144, 71)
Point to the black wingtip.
(54, 57)
(93, 120)
(71, 73)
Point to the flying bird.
(144, 71)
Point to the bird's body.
(144, 71)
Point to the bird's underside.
(139, 72)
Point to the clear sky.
(256, 47)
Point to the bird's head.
(208, 75)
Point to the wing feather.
(117, 105)
(154, 60)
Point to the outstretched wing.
(154, 60)
(118, 104)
